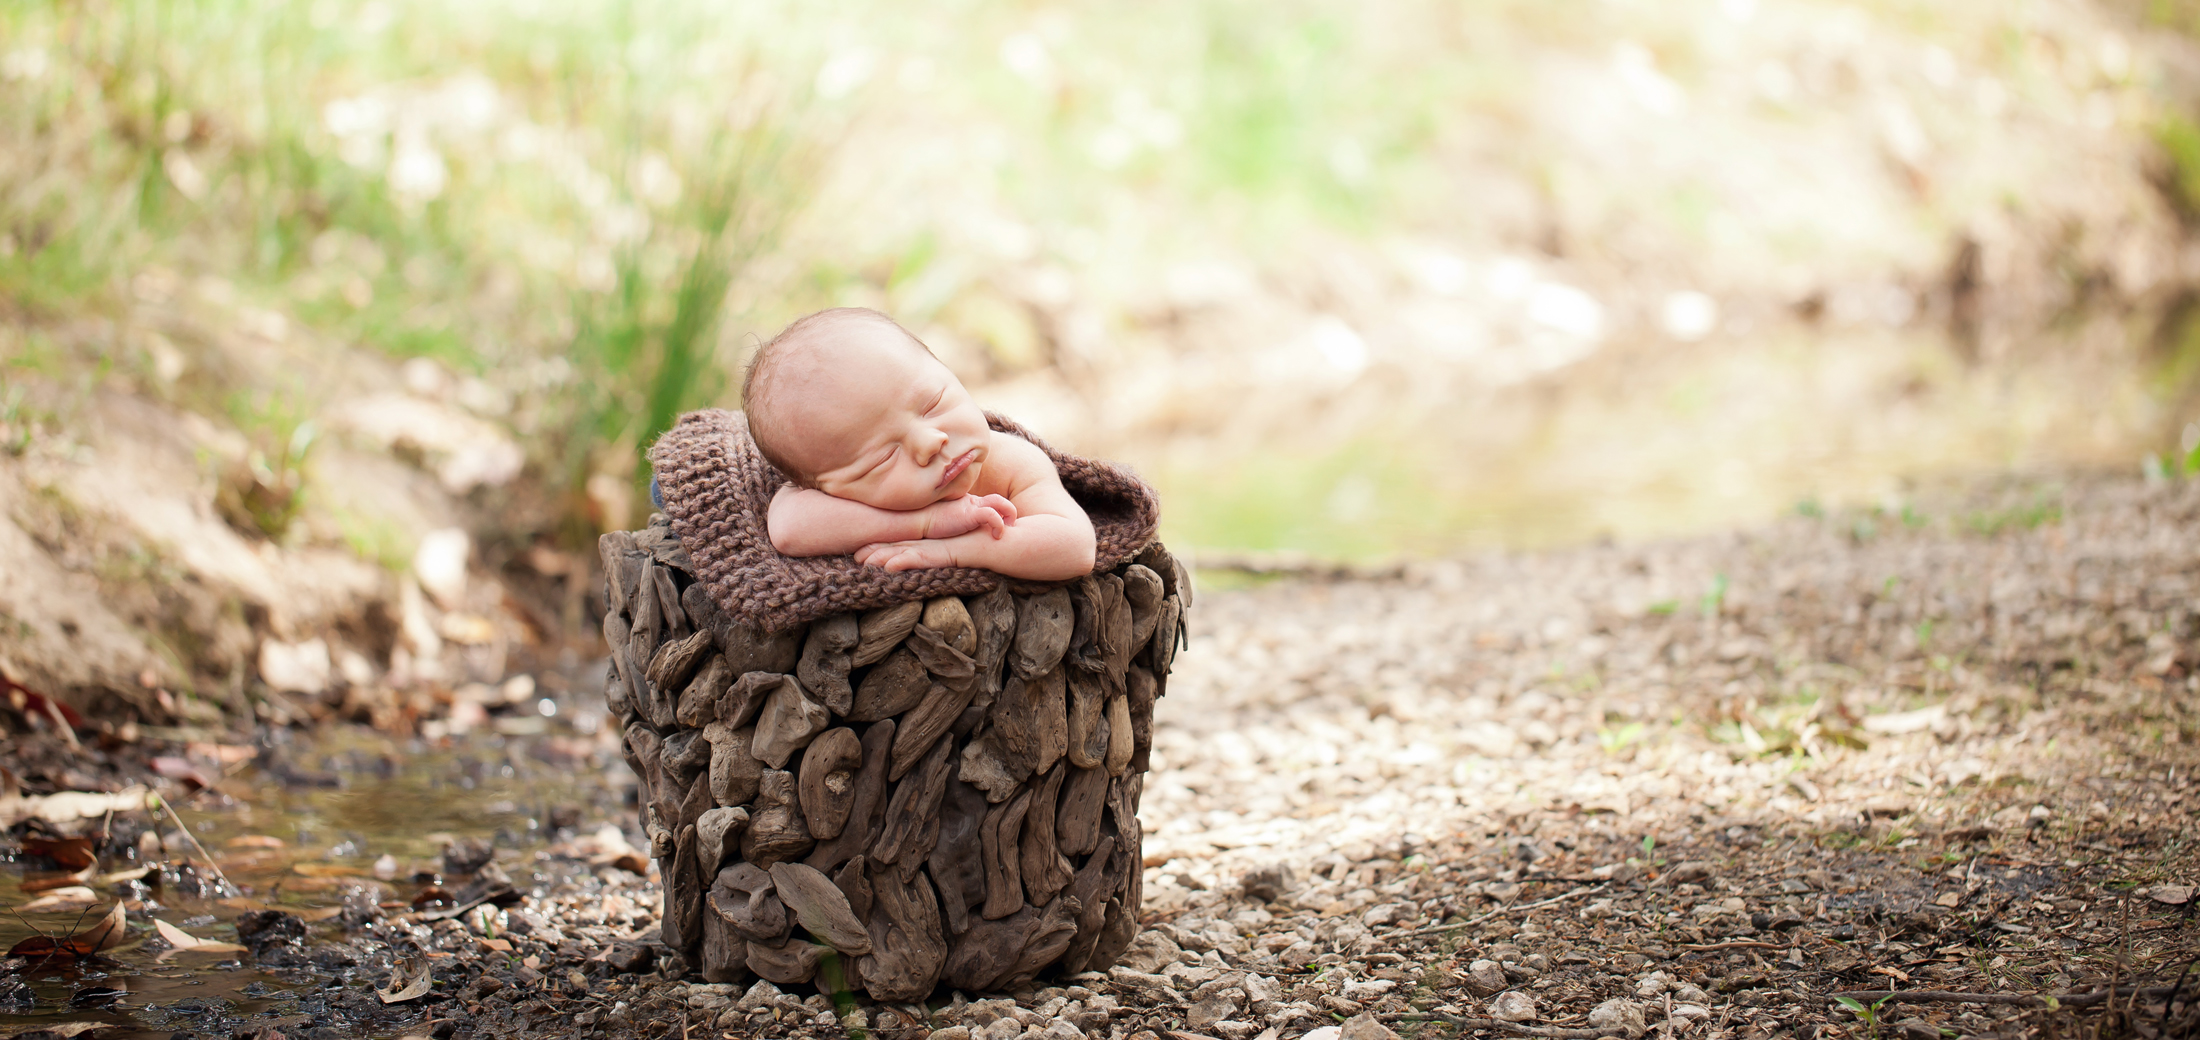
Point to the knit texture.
(717, 487)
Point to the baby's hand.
(921, 554)
(969, 513)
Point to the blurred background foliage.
(1404, 276)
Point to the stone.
(1485, 978)
(1204, 1014)
(879, 631)
(1688, 871)
(1365, 1026)
(1150, 952)
(1513, 1006)
(1619, 1017)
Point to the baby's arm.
(806, 522)
(1052, 538)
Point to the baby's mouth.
(955, 469)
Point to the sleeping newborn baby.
(893, 462)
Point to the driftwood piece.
(695, 801)
(616, 697)
(616, 634)
(642, 609)
(1122, 743)
(682, 920)
(1084, 799)
(939, 657)
(1160, 653)
(644, 750)
(828, 784)
(787, 722)
(1045, 871)
(1087, 714)
(907, 949)
(1029, 723)
(703, 615)
(867, 808)
(1118, 931)
(1094, 884)
(1006, 953)
(725, 953)
(676, 661)
(754, 650)
(994, 617)
(697, 705)
(827, 655)
(1116, 628)
(820, 908)
(894, 686)
(1142, 590)
(669, 612)
(740, 702)
(957, 864)
(913, 816)
(613, 547)
(1140, 691)
(853, 879)
(1004, 879)
(685, 753)
(776, 831)
(879, 631)
(926, 723)
(950, 617)
(787, 963)
(744, 894)
(982, 766)
(1043, 624)
(1084, 633)
(718, 832)
(733, 770)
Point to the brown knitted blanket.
(717, 486)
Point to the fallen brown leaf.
(255, 841)
(56, 1028)
(183, 941)
(409, 980)
(71, 853)
(74, 895)
(105, 934)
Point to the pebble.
(1485, 977)
(1364, 1027)
(1619, 1017)
(1513, 1006)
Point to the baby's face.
(878, 421)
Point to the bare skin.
(907, 473)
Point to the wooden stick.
(1938, 996)
(1500, 911)
(1459, 1022)
(194, 840)
(1737, 944)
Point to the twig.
(1461, 1022)
(1736, 944)
(1940, 996)
(1500, 911)
(194, 840)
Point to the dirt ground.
(1704, 788)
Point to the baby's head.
(849, 403)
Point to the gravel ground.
(1700, 788)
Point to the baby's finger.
(1003, 506)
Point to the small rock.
(1618, 1017)
(1209, 1011)
(950, 1033)
(1917, 1029)
(1059, 1029)
(1363, 1026)
(261, 929)
(1689, 871)
(630, 958)
(1690, 993)
(1003, 1028)
(467, 856)
(1513, 1006)
(1324, 1033)
(1150, 952)
(1266, 883)
(1485, 978)
(2172, 895)
(1651, 985)
(761, 995)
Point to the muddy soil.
(1705, 788)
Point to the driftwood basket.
(933, 793)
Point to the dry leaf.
(1896, 973)
(106, 933)
(53, 881)
(2173, 895)
(120, 876)
(499, 945)
(183, 941)
(56, 1028)
(254, 841)
(69, 806)
(75, 895)
(409, 980)
(71, 853)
